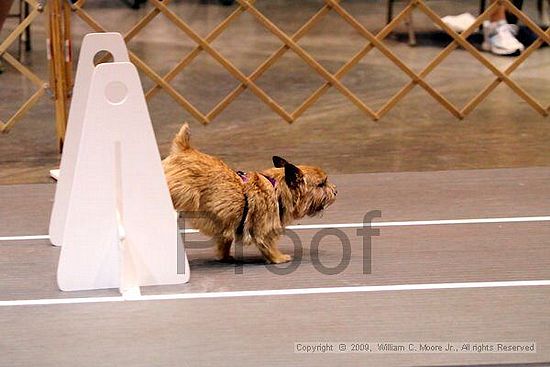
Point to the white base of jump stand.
(117, 229)
(129, 282)
(54, 173)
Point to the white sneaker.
(499, 38)
(459, 23)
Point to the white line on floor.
(425, 222)
(24, 238)
(358, 225)
(278, 292)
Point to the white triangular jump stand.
(120, 229)
(91, 45)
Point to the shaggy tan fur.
(208, 188)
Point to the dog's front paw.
(281, 259)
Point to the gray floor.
(261, 330)
(417, 163)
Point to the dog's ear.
(293, 175)
(279, 162)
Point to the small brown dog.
(253, 207)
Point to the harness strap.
(240, 228)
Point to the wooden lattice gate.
(60, 14)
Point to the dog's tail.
(181, 141)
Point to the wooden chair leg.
(24, 41)
(389, 15)
(21, 16)
(410, 30)
(544, 9)
(28, 45)
(408, 23)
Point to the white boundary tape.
(358, 225)
(25, 238)
(425, 222)
(277, 292)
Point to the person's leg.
(5, 6)
(499, 14)
(511, 18)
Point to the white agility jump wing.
(121, 229)
(91, 45)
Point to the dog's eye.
(323, 183)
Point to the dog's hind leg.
(272, 253)
(223, 248)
